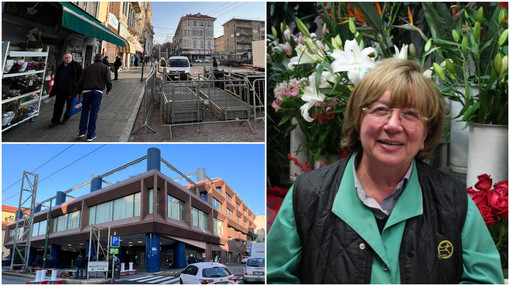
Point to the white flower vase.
(297, 141)
(488, 152)
(323, 161)
(459, 141)
(459, 136)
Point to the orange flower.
(410, 14)
(378, 8)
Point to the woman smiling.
(382, 215)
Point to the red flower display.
(492, 204)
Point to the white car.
(207, 273)
(255, 270)
(177, 67)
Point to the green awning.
(78, 20)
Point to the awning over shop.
(130, 48)
(78, 20)
(133, 41)
(199, 244)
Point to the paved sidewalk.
(114, 124)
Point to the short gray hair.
(98, 58)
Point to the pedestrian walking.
(94, 79)
(64, 88)
(80, 263)
(117, 64)
(136, 60)
(106, 62)
(214, 64)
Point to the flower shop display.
(22, 85)
(492, 202)
(473, 63)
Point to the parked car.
(207, 273)
(255, 270)
(244, 259)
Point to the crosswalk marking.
(152, 279)
(165, 280)
(147, 278)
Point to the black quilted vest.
(331, 248)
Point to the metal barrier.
(149, 95)
(258, 88)
(204, 101)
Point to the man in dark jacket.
(64, 87)
(105, 61)
(80, 264)
(93, 80)
(117, 64)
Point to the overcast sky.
(166, 15)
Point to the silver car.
(255, 270)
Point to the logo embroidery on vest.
(444, 249)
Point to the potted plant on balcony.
(473, 56)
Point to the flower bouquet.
(493, 205)
(317, 77)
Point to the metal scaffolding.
(22, 233)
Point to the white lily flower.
(326, 78)
(401, 54)
(356, 62)
(303, 57)
(311, 95)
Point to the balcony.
(136, 6)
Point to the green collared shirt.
(480, 257)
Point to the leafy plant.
(471, 44)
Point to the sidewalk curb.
(124, 137)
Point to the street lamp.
(235, 35)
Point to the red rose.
(479, 197)
(484, 182)
(498, 200)
(488, 216)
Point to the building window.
(151, 200)
(195, 23)
(229, 198)
(217, 204)
(218, 189)
(244, 212)
(194, 44)
(218, 226)
(238, 219)
(199, 218)
(125, 207)
(203, 196)
(230, 213)
(238, 206)
(65, 222)
(175, 208)
(193, 32)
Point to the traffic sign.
(114, 250)
(115, 240)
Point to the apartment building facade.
(238, 35)
(194, 36)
